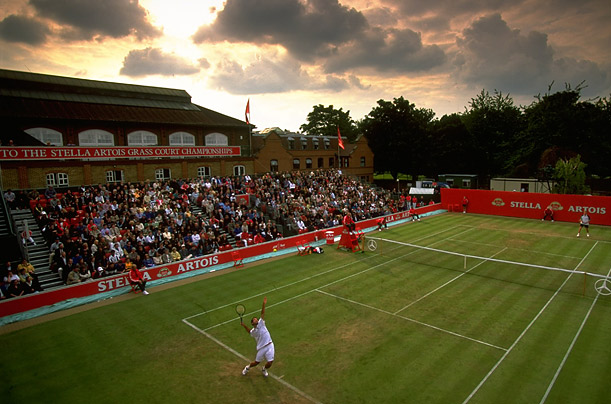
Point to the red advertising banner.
(72, 153)
(112, 283)
(567, 208)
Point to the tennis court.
(453, 309)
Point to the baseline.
(239, 355)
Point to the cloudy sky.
(288, 55)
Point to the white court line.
(310, 277)
(447, 283)
(498, 363)
(233, 351)
(239, 355)
(568, 352)
(411, 320)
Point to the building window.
(331, 162)
(296, 164)
(114, 176)
(327, 145)
(362, 161)
(96, 137)
(162, 174)
(321, 162)
(273, 166)
(203, 172)
(46, 136)
(345, 162)
(466, 183)
(182, 139)
(57, 180)
(239, 170)
(450, 181)
(216, 139)
(315, 144)
(291, 143)
(308, 163)
(142, 138)
(304, 143)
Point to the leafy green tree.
(324, 121)
(495, 124)
(571, 176)
(561, 121)
(453, 147)
(397, 133)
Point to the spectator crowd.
(102, 230)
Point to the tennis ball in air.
(275, 250)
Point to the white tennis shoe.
(246, 369)
(264, 371)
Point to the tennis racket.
(240, 309)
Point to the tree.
(453, 146)
(397, 133)
(324, 121)
(571, 176)
(495, 123)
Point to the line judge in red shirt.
(136, 279)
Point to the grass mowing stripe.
(305, 279)
(570, 349)
(481, 383)
(513, 248)
(445, 284)
(239, 355)
(412, 320)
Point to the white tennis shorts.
(267, 353)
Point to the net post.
(584, 282)
(465, 262)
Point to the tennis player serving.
(265, 345)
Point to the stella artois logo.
(163, 272)
(555, 206)
(498, 202)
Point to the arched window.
(239, 170)
(304, 143)
(46, 135)
(203, 172)
(273, 166)
(296, 164)
(182, 139)
(216, 139)
(96, 137)
(142, 138)
(57, 180)
(114, 176)
(163, 174)
(308, 163)
(291, 143)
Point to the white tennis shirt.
(261, 335)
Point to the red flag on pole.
(247, 112)
(339, 139)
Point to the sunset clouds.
(289, 55)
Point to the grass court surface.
(394, 325)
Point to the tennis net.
(566, 277)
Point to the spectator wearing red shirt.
(465, 203)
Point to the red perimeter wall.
(112, 283)
(567, 208)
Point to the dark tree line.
(492, 137)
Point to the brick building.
(68, 114)
(278, 150)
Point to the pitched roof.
(30, 95)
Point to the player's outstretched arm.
(263, 308)
(245, 327)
